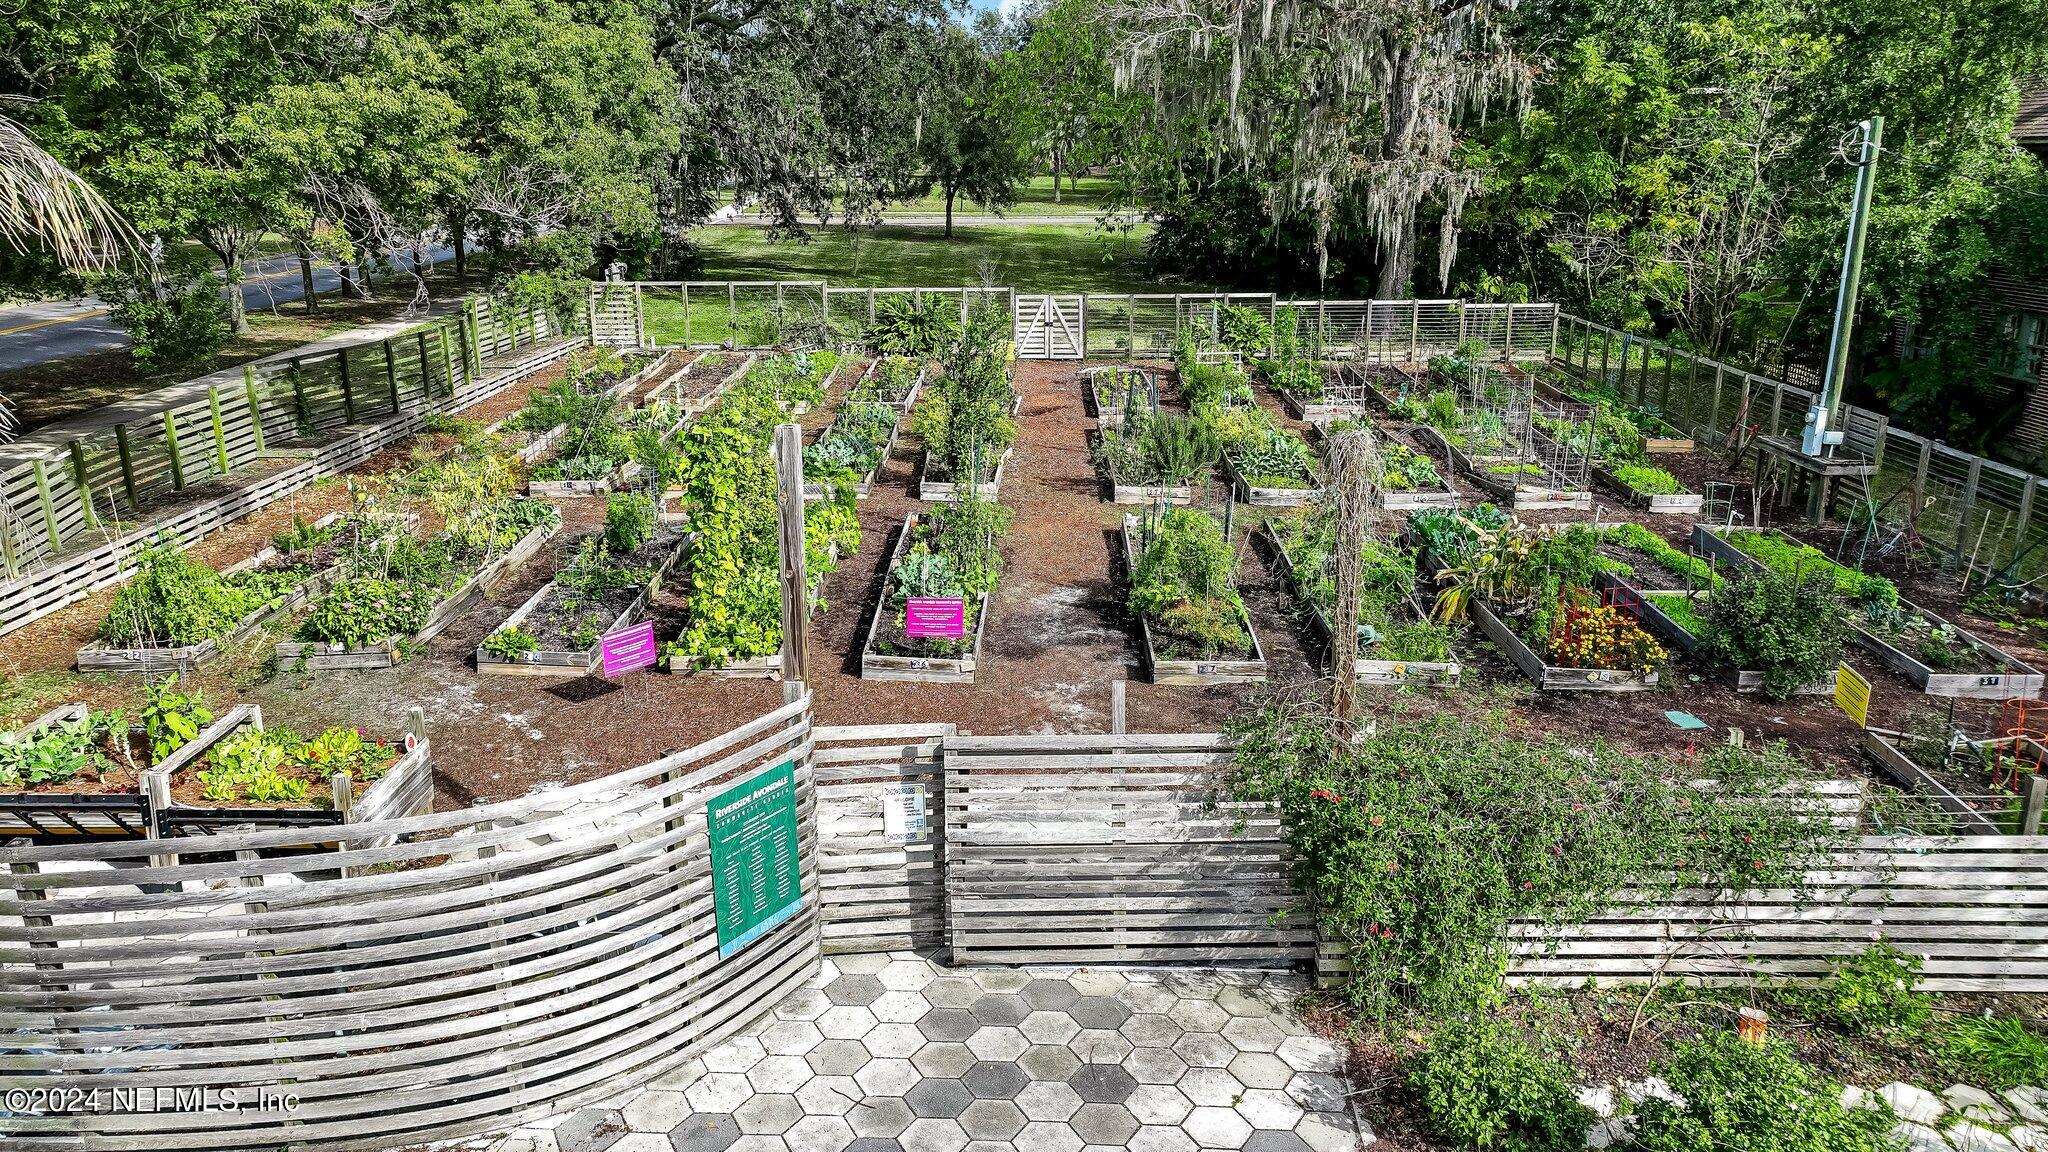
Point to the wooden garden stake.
(220, 431)
(79, 478)
(348, 388)
(796, 601)
(2031, 805)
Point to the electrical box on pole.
(1819, 437)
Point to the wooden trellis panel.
(483, 968)
(1110, 849)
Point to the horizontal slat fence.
(482, 968)
(1972, 907)
(881, 871)
(1110, 850)
(72, 519)
(1970, 506)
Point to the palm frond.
(43, 204)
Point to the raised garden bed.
(101, 797)
(320, 656)
(1550, 677)
(1139, 459)
(1109, 390)
(1664, 503)
(1251, 669)
(847, 428)
(237, 774)
(1264, 497)
(1674, 616)
(1368, 669)
(1996, 675)
(946, 491)
(548, 619)
(1405, 485)
(612, 481)
(1509, 488)
(161, 660)
(888, 654)
(1659, 437)
(1344, 394)
(1883, 749)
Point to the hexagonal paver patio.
(897, 1053)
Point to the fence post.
(49, 507)
(2031, 806)
(1969, 506)
(1664, 394)
(1553, 329)
(177, 460)
(462, 346)
(348, 389)
(1777, 403)
(686, 314)
(1606, 339)
(220, 431)
(1414, 328)
(1920, 478)
(255, 404)
(732, 313)
(127, 465)
(78, 478)
(1116, 707)
(426, 372)
(2019, 533)
(391, 376)
(7, 556)
(1714, 413)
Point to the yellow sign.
(1852, 694)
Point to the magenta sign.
(935, 616)
(628, 649)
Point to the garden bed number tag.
(942, 617)
(627, 649)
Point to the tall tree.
(967, 147)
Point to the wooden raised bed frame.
(1266, 497)
(98, 657)
(549, 662)
(1659, 622)
(2014, 680)
(1368, 671)
(1912, 777)
(1681, 504)
(405, 789)
(71, 814)
(1522, 497)
(865, 486)
(315, 656)
(876, 665)
(1120, 493)
(1550, 677)
(946, 492)
(1109, 415)
(1198, 673)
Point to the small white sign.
(903, 810)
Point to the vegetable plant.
(511, 643)
(1185, 585)
(174, 600)
(1647, 480)
(172, 719)
(58, 752)
(1389, 628)
(1788, 625)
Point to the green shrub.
(628, 521)
(1243, 329)
(1876, 992)
(1744, 1097)
(905, 326)
(180, 322)
(510, 643)
(1997, 1052)
(1786, 624)
(1483, 1086)
(177, 601)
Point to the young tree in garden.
(966, 147)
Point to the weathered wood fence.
(482, 968)
(81, 498)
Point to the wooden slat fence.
(100, 537)
(881, 835)
(1110, 850)
(486, 967)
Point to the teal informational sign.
(756, 875)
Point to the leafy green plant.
(302, 536)
(270, 787)
(1185, 583)
(1875, 992)
(1682, 564)
(510, 643)
(172, 719)
(1647, 480)
(1875, 595)
(58, 752)
(1243, 328)
(1274, 459)
(1755, 1097)
(1484, 1086)
(1402, 469)
(908, 326)
(1416, 846)
(854, 445)
(1786, 624)
(628, 521)
(176, 601)
(1997, 1052)
(362, 611)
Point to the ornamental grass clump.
(1417, 846)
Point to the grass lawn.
(1079, 196)
(1033, 257)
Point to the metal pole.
(1822, 415)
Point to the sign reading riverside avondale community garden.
(935, 616)
(756, 878)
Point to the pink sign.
(937, 616)
(628, 649)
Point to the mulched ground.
(1057, 636)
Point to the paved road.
(60, 329)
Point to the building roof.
(2032, 127)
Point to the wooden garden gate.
(1050, 327)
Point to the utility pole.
(1817, 440)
